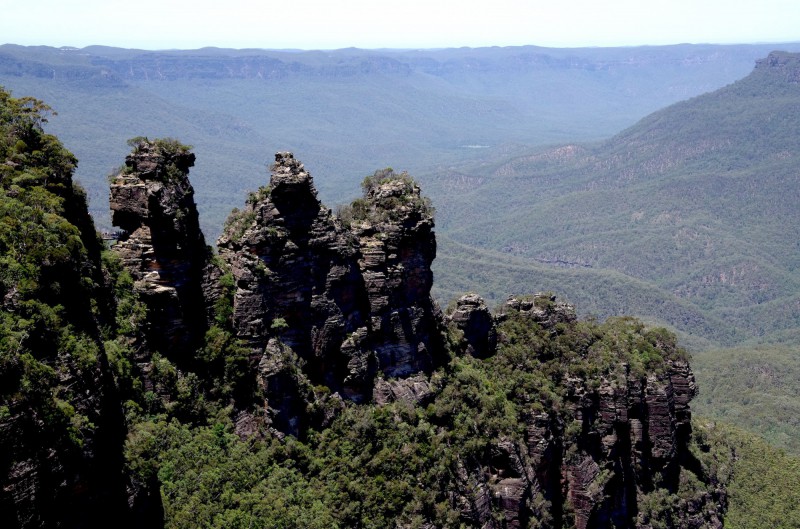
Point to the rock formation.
(61, 426)
(536, 420)
(351, 297)
(161, 244)
(473, 318)
(393, 225)
(616, 442)
(343, 301)
(297, 279)
(782, 65)
(542, 309)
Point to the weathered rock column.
(161, 246)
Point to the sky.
(332, 24)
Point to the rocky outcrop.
(546, 422)
(614, 442)
(416, 389)
(543, 309)
(473, 318)
(61, 425)
(350, 296)
(335, 307)
(284, 388)
(297, 279)
(393, 225)
(161, 245)
(631, 441)
(784, 65)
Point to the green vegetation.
(400, 194)
(685, 214)
(176, 158)
(596, 293)
(709, 273)
(219, 372)
(755, 388)
(700, 243)
(380, 465)
(761, 480)
(375, 466)
(238, 221)
(166, 147)
(50, 354)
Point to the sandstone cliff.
(61, 426)
(617, 442)
(161, 245)
(319, 326)
(350, 296)
(336, 307)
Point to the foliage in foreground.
(45, 274)
(376, 466)
(373, 467)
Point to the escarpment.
(601, 426)
(61, 426)
(330, 308)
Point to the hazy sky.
(327, 24)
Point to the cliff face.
(296, 278)
(307, 320)
(617, 443)
(61, 427)
(472, 317)
(783, 66)
(161, 245)
(393, 225)
(343, 301)
(351, 298)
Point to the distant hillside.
(349, 112)
(755, 388)
(690, 216)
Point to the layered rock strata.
(474, 319)
(161, 244)
(592, 463)
(350, 297)
(61, 426)
(393, 225)
(343, 301)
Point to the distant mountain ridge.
(350, 111)
(698, 200)
(145, 65)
